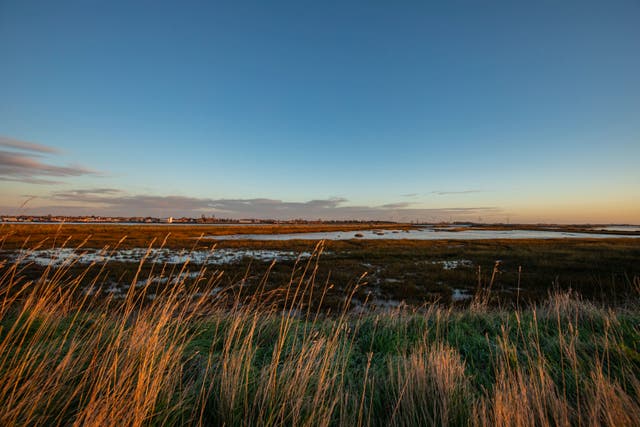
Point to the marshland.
(102, 324)
(319, 213)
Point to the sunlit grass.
(271, 357)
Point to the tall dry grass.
(72, 355)
(430, 387)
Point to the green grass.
(272, 358)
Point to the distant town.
(167, 220)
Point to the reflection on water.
(66, 256)
(421, 234)
(460, 294)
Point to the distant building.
(169, 220)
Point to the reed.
(195, 354)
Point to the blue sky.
(526, 111)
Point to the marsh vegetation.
(302, 342)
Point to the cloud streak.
(447, 193)
(26, 146)
(114, 202)
(22, 161)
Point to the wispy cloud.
(447, 193)
(114, 202)
(85, 193)
(26, 146)
(22, 161)
(399, 205)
